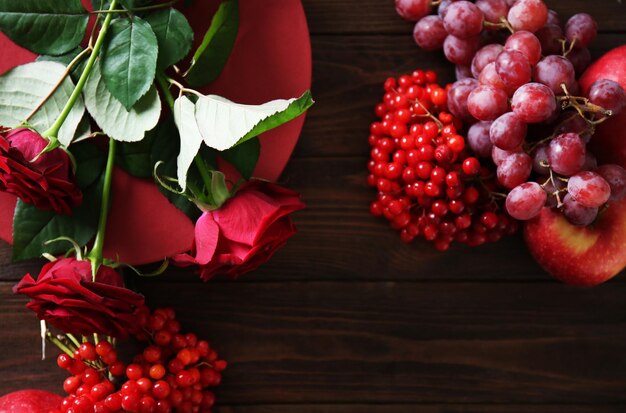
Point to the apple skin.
(581, 256)
(591, 255)
(609, 141)
(30, 401)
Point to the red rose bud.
(65, 295)
(48, 183)
(245, 232)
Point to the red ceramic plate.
(271, 60)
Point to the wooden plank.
(379, 16)
(348, 74)
(422, 408)
(338, 239)
(410, 342)
(373, 343)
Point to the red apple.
(30, 401)
(591, 255)
(609, 141)
(582, 256)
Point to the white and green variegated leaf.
(190, 137)
(23, 88)
(112, 116)
(223, 124)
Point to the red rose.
(48, 183)
(243, 233)
(66, 296)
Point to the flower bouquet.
(113, 153)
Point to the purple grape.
(460, 51)
(608, 94)
(513, 68)
(457, 97)
(499, 155)
(578, 214)
(508, 132)
(567, 154)
(514, 170)
(493, 10)
(550, 37)
(589, 189)
(580, 58)
(541, 163)
(463, 19)
(478, 139)
(553, 18)
(581, 29)
(527, 44)
(553, 71)
(429, 33)
(483, 57)
(529, 15)
(413, 10)
(533, 103)
(462, 72)
(615, 175)
(487, 102)
(525, 201)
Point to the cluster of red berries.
(429, 184)
(172, 374)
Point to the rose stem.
(200, 164)
(53, 132)
(95, 256)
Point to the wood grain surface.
(346, 318)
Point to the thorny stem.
(53, 132)
(96, 256)
(182, 88)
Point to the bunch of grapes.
(172, 374)
(516, 84)
(429, 183)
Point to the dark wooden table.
(346, 318)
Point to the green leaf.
(129, 60)
(23, 88)
(113, 118)
(84, 129)
(174, 35)
(165, 149)
(135, 157)
(90, 162)
(295, 109)
(44, 26)
(33, 227)
(212, 55)
(244, 157)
